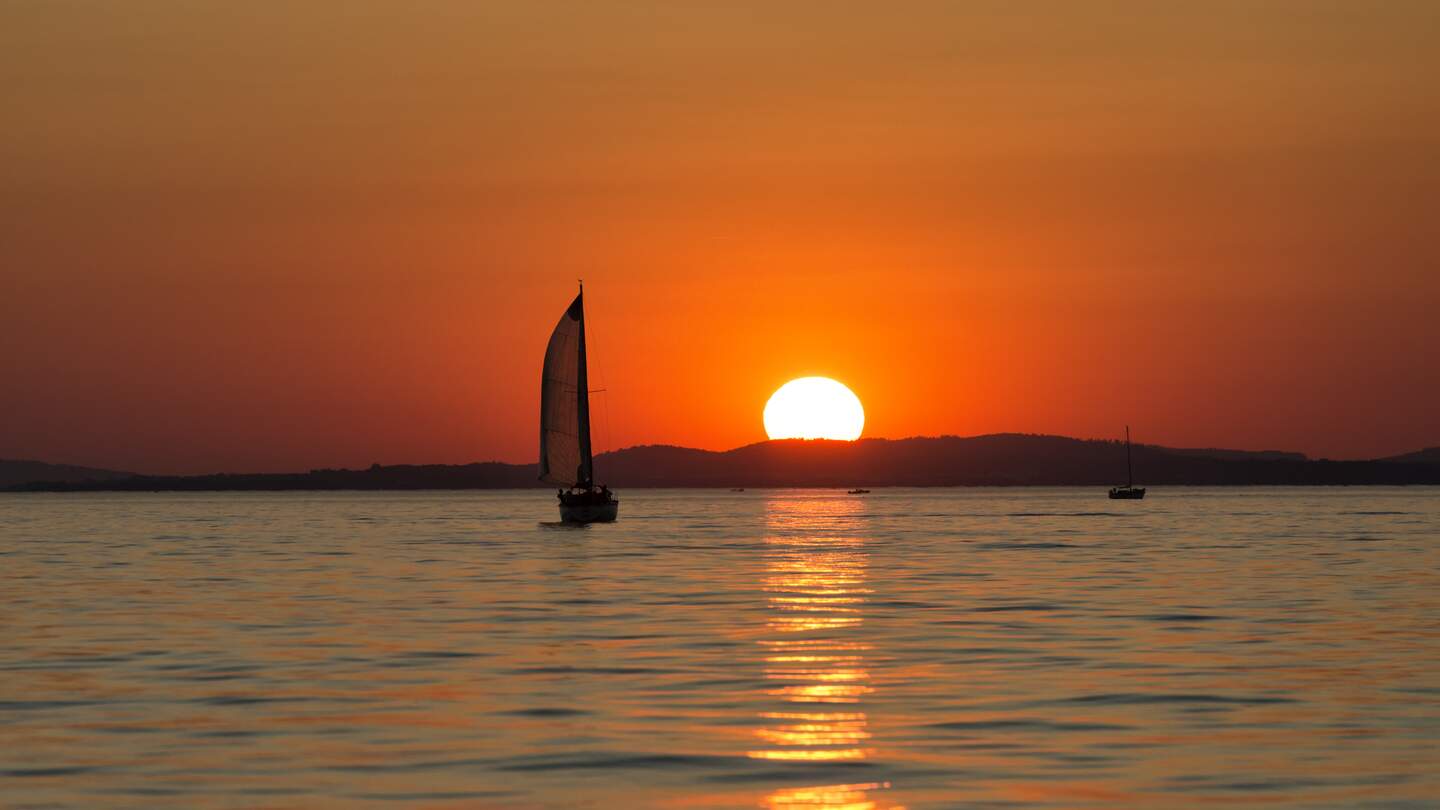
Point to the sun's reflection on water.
(815, 583)
(831, 797)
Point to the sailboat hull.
(590, 512)
(1127, 493)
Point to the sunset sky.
(288, 235)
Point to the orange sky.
(332, 233)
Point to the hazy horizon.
(600, 452)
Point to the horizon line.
(1301, 454)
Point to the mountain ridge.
(15, 471)
(997, 459)
(1430, 455)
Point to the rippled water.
(783, 649)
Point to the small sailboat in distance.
(1129, 492)
(565, 457)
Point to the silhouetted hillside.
(18, 471)
(1237, 455)
(995, 460)
(1430, 455)
(1006, 459)
(486, 475)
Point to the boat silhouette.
(1129, 492)
(565, 455)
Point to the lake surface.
(780, 649)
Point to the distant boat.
(1129, 492)
(858, 492)
(737, 489)
(565, 457)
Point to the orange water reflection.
(815, 584)
(832, 797)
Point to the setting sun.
(814, 408)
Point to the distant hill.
(1237, 455)
(1004, 459)
(17, 471)
(484, 475)
(1430, 455)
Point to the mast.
(586, 472)
(1129, 475)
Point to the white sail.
(565, 403)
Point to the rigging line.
(599, 377)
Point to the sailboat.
(1129, 492)
(565, 457)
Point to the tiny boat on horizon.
(858, 492)
(1129, 492)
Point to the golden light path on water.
(815, 562)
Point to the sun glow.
(814, 408)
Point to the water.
(782, 649)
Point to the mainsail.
(565, 403)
